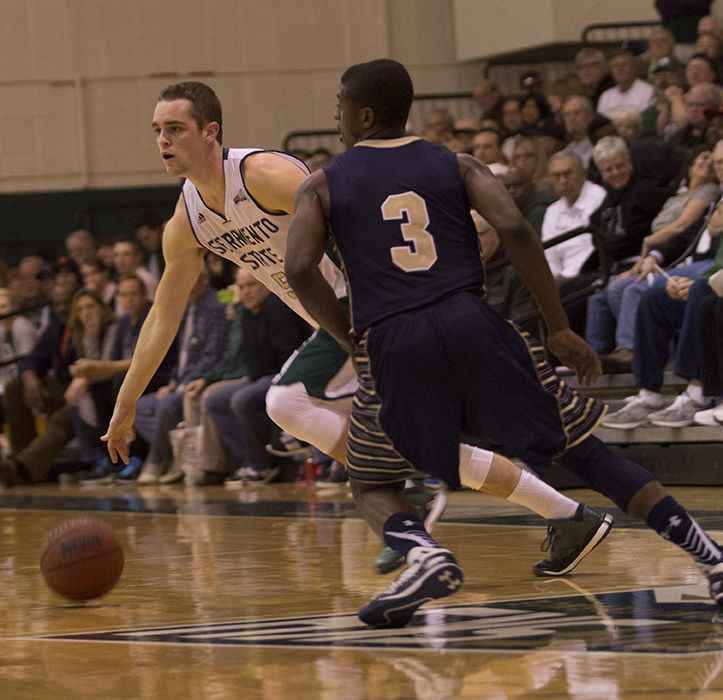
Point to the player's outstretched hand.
(120, 434)
(576, 354)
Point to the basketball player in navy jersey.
(434, 360)
(237, 202)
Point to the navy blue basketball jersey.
(400, 219)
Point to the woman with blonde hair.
(530, 159)
(91, 327)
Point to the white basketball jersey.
(249, 236)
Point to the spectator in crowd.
(611, 313)
(578, 199)
(693, 124)
(538, 119)
(65, 273)
(668, 73)
(96, 278)
(628, 123)
(80, 246)
(32, 285)
(578, 115)
(530, 200)
(709, 44)
(700, 68)
(207, 402)
(667, 311)
(44, 376)
(532, 83)
(18, 337)
(530, 159)
(91, 325)
(512, 124)
(710, 333)
(127, 259)
(463, 133)
(135, 306)
(222, 271)
(318, 158)
(504, 289)
(631, 202)
(490, 99)
(487, 147)
(592, 69)
(661, 45)
(270, 332)
(560, 90)
(438, 125)
(104, 251)
(202, 338)
(628, 90)
(149, 234)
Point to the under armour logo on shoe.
(453, 583)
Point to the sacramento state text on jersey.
(236, 239)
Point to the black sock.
(404, 531)
(673, 522)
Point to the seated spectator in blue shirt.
(202, 339)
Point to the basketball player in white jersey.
(236, 203)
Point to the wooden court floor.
(252, 593)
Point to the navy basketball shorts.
(431, 375)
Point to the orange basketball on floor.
(81, 559)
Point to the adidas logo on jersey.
(201, 217)
(240, 197)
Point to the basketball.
(81, 559)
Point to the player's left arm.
(272, 180)
(526, 254)
(305, 246)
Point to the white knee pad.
(474, 465)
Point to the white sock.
(695, 391)
(651, 398)
(541, 498)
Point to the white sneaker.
(718, 413)
(150, 473)
(634, 413)
(706, 417)
(174, 474)
(678, 415)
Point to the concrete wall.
(79, 78)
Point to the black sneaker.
(104, 472)
(285, 445)
(715, 583)
(336, 475)
(570, 540)
(432, 573)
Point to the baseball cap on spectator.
(669, 63)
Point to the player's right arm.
(184, 261)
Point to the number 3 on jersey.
(421, 253)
